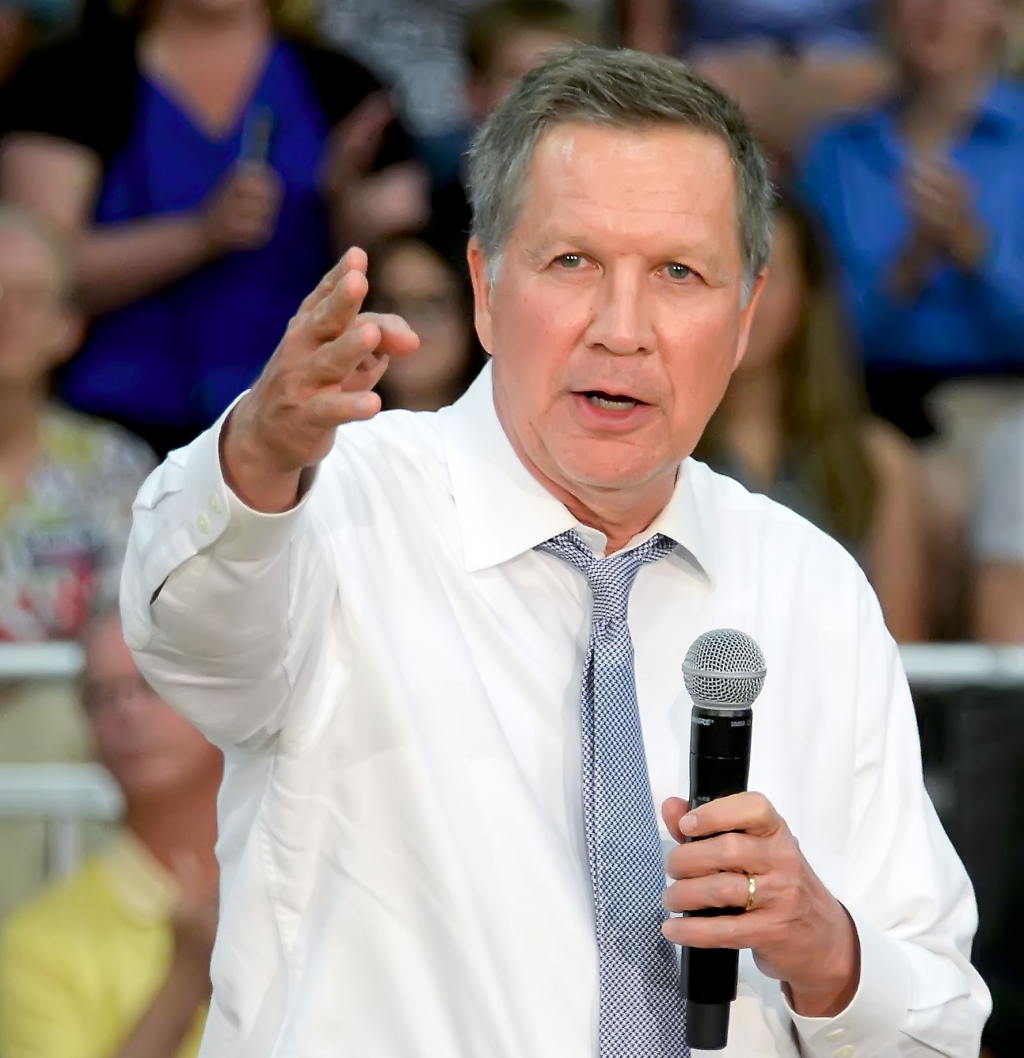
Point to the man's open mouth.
(611, 401)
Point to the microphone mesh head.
(724, 668)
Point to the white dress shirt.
(393, 672)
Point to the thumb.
(672, 811)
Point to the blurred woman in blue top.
(924, 201)
(210, 168)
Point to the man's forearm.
(160, 1032)
(121, 263)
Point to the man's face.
(36, 330)
(948, 38)
(617, 314)
(151, 751)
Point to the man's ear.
(747, 317)
(480, 275)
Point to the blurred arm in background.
(72, 111)
(118, 264)
(365, 205)
(998, 538)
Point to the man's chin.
(610, 466)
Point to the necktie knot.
(610, 579)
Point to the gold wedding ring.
(751, 892)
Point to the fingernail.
(688, 823)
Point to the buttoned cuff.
(877, 1011)
(215, 513)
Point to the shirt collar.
(1001, 112)
(503, 511)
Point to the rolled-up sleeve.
(222, 606)
(906, 890)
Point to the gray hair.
(619, 89)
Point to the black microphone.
(724, 672)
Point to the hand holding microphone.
(799, 932)
(741, 879)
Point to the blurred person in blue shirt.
(788, 63)
(924, 201)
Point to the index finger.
(354, 259)
(752, 813)
(339, 307)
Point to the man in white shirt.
(386, 628)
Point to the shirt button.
(203, 523)
(844, 1052)
(214, 502)
(836, 1035)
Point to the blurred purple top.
(176, 359)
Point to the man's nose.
(622, 321)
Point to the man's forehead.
(665, 184)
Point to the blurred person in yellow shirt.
(114, 962)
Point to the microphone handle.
(719, 766)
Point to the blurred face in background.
(938, 39)
(781, 303)
(524, 50)
(616, 316)
(151, 751)
(38, 330)
(213, 10)
(416, 283)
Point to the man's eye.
(570, 260)
(678, 271)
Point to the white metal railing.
(935, 666)
(932, 665)
(67, 795)
(64, 796)
(37, 661)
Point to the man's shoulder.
(833, 142)
(749, 523)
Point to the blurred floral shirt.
(63, 534)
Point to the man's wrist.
(249, 470)
(187, 984)
(832, 988)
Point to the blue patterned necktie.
(641, 1013)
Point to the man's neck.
(937, 110)
(191, 28)
(179, 825)
(619, 513)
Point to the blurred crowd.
(175, 175)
